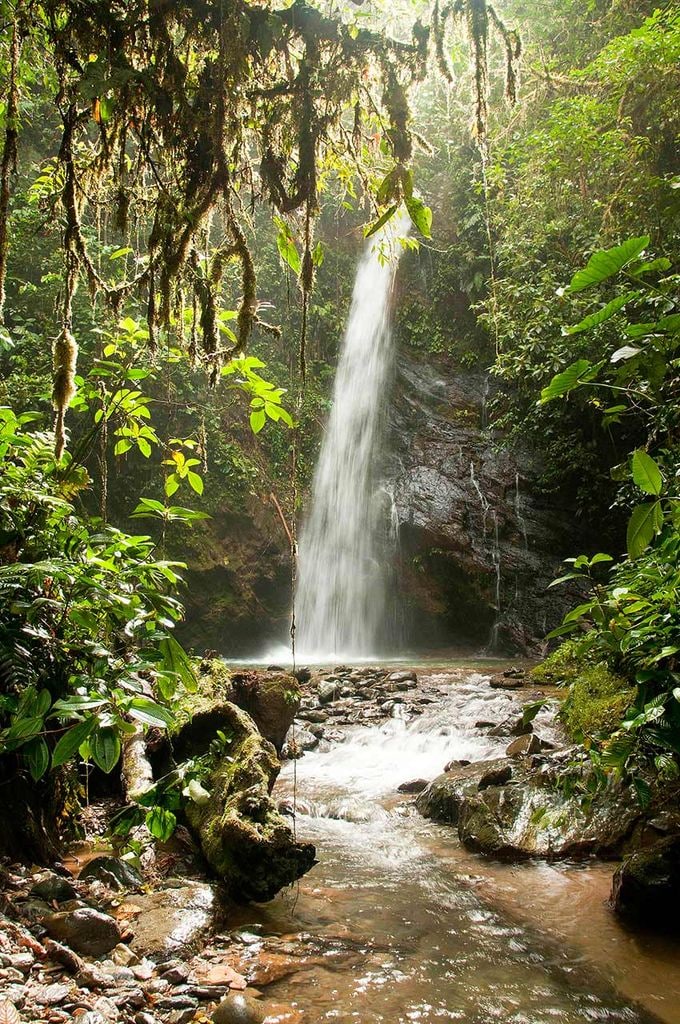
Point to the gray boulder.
(515, 809)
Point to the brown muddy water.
(410, 928)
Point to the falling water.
(346, 544)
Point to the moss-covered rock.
(597, 702)
(597, 697)
(272, 699)
(243, 837)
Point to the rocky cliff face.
(478, 547)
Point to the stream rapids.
(436, 933)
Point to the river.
(436, 933)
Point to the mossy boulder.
(243, 837)
(597, 698)
(272, 699)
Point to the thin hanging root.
(65, 360)
(439, 19)
(306, 285)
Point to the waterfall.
(347, 543)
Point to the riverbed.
(436, 933)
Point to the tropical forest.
(339, 511)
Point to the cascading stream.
(404, 926)
(346, 545)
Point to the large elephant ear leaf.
(607, 262)
(562, 383)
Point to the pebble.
(52, 995)
(176, 974)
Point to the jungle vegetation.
(182, 189)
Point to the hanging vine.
(178, 119)
(478, 17)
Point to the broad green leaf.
(646, 473)
(105, 749)
(387, 215)
(257, 420)
(124, 821)
(176, 659)
(288, 251)
(70, 741)
(37, 757)
(76, 703)
(600, 557)
(643, 525)
(564, 382)
(150, 713)
(602, 315)
(642, 790)
(604, 264)
(195, 482)
(318, 254)
(388, 186)
(23, 729)
(420, 214)
(618, 751)
(565, 579)
(161, 823)
(649, 266)
(119, 253)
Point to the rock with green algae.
(243, 837)
(516, 810)
(646, 886)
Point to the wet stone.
(85, 930)
(115, 873)
(239, 1008)
(524, 745)
(503, 682)
(414, 786)
(48, 885)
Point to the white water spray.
(346, 546)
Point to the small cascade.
(484, 418)
(494, 550)
(480, 493)
(521, 522)
(375, 760)
(347, 543)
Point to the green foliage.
(86, 648)
(560, 667)
(644, 376)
